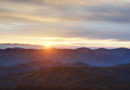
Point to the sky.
(66, 23)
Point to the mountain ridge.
(97, 57)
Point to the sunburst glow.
(48, 45)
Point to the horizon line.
(34, 46)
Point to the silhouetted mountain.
(97, 57)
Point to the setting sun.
(48, 45)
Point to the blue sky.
(66, 23)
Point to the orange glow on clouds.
(62, 42)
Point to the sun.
(48, 45)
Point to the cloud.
(74, 10)
(28, 17)
(94, 19)
(69, 2)
(26, 46)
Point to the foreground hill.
(36, 65)
(73, 78)
(98, 57)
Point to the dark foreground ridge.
(70, 78)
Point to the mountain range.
(95, 57)
(64, 69)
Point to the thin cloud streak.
(29, 17)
